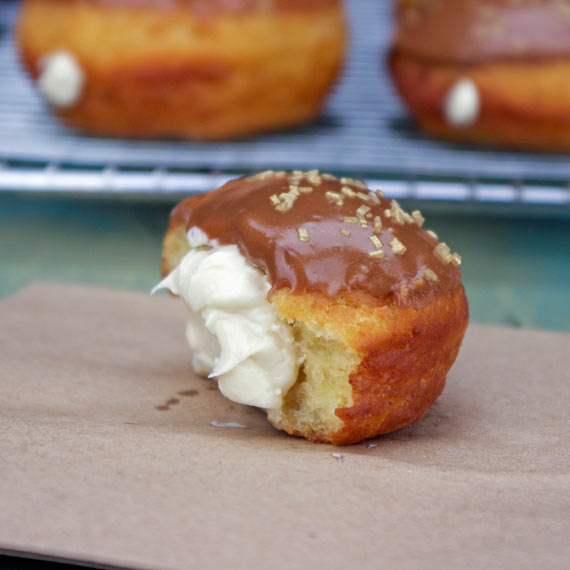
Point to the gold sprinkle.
(379, 193)
(279, 173)
(350, 219)
(398, 247)
(407, 218)
(363, 196)
(443, 253)
(431, 275)
(345, 232)
(313, 177)
(375, 242)
(377, 224)
(275, 200)
(303, 234)
(388, 213)
(339, 202)
(305, 189)
(333, 195)
(398, 216)
(360, 184)
(284, 206)
(373, 198)
(456, 259)
(345, 180)
(362, 210)
(287, 196)
(328, 176)
(418, 218)
(369, 215)
(294, 190)
(349, 192)
(297, 173)
(378, 253)
(432, 234)
(265, 174)
(363, 223)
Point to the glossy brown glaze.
(207, 7)
(241, 212)
(472, 31)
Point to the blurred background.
(90, 210)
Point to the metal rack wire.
(364, 131)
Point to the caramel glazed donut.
(318, 300)
(200, 69)
(493, 71)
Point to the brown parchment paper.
(96, 465)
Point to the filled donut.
(486, 71)
(322, 302)
(196, 69)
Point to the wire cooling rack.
(364, 131)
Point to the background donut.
(494, 71)
(183, 68)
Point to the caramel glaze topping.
(315, 233)
(473, 31)
(213, 7)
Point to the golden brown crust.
(524, 105)
(405, 352)
(159, 73)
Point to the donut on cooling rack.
(487, 71)
(197, 69)
(318, 300)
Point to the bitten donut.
(318, 300)
(486, 71)
(196, 69)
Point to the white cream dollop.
(61, 79)
(234, 332)
(462, 104)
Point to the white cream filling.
(462, 104)
(61, 79)
(234, 332)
